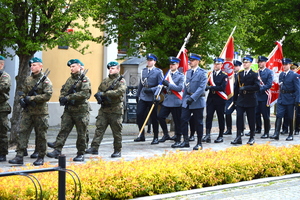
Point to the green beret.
(2, 58)
(112, 64)
(34, 60)
(72, 61)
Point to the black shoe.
(284, 132)
(116, 154)
(25, 153)
(275, 136)
(219, 140)
(257, 131)
(155, 141)
(251, 141)
(192, 138)
(296, 133)
(174, 137)
(228, 132)
(34, 155)
(237, 140)
(51, 144)
(38, 162)
(79, 158)
(198, 147)
(2, 158)
(92, 151)
(164, 138)
(247, 134)
(149, 131)
(289, 138)
(265, 135)
(242, 134)
(17, 160)
(54, 154)
(206, 139)
(139, 139)
(184, 144)
(176, 145)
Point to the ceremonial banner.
(183, 64)
(275, 64)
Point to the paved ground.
(276, 189)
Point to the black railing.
(61, 178)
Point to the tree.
(31, 26)
(159, 26)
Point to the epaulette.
(241, 70)
(256, 71)
(224, 72)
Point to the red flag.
(183, 64)
(228, 54)
(169, 78)
(274, 63)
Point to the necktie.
(192, 72)
(215, 73)
(245, 73)
(148, 71)
(171, 74)
(284, 74)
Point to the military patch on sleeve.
(46, 82)
(84, 81)
(4, 75)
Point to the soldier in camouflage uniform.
(5, 109)
(76, 110)
(110, 95)
(35, 113)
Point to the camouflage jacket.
(115, 97)
(78, 100)
(44, 93)
(5, 83)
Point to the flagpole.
(276, 47)
(228, 41)
(186, 40)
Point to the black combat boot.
(238, 139)
(17, 160)
(54, 154)
(140, 138)
(35, 154)
(39, 161)
(290, 137)
(228, 120)
(116, 153)
(155, 141)
(165, 137)
(220, 137)
(198, 145)
(92, 150)
(207, 137)
(2, 158)
(51, 144)
(177, 141)
(79, 158)
(185, 142)
(277, 128)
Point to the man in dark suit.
(229, 110)
(172, 101)
(151, 77)
(193, 101)
(288, 97)
(217, 81)
(245, 99)
(265, 77)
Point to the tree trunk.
(23, 72)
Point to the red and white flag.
(228, 55)
(211, 82)
(275, 64)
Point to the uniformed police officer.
(5, 109)
(35, 113)
(288, 97)
(76, 111)
(217, 81)
(244, 95)
(193, 101)
(228, 111)
(265, 77)
(294, 67)
(151, 77)
(111, 96)
(172, 101)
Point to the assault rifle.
(99, 95)
(63, 101)
(25, 102)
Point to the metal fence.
(62, 171)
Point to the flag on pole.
(275, 64)
(228, 55)
(183, 64)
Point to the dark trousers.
(142, 111)
(164, 113)
(198, 120)
(250, 113)
(264, 111)
(210, 110)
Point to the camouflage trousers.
(81, 122)
(3, 133)
(40, 125)
(103, 120)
